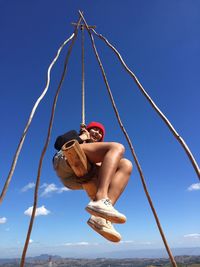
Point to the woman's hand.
(85, 135)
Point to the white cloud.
(77, 244)
(63, 189)
(135, 243)
(68, 244)
(52, 188)
(3, 220)
(30, 241)
(127, 242)
(193, 236)
(83, 243)
(194, 187)
(27, 187)
(44, 185)
(49, 189)
(41, 211)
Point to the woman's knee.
(126, 165)
(97, 151)
(118, 148)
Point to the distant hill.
(44, 257)
(150, 253)
(56, 261)
(136, 258)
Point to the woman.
(113, 172)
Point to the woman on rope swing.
(110, 176)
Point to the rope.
(155, 107)
(45, 148)
(83, 75)
(131, 147)
(15, 158)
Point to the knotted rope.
(83, 75)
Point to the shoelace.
(107, 202)
(109, 223)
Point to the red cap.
(97, 125)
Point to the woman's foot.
(104, 228)
(104, 208)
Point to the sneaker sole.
(104, 232)
(110, 217)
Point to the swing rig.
(82, 25)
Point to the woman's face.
(95, 134)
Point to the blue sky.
(159, 41)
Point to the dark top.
(62, 139)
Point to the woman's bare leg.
(120, 180)
(117, 185)
(109, 154)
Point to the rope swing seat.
(76, 158)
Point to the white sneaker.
(104, 208)
(104, 228)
